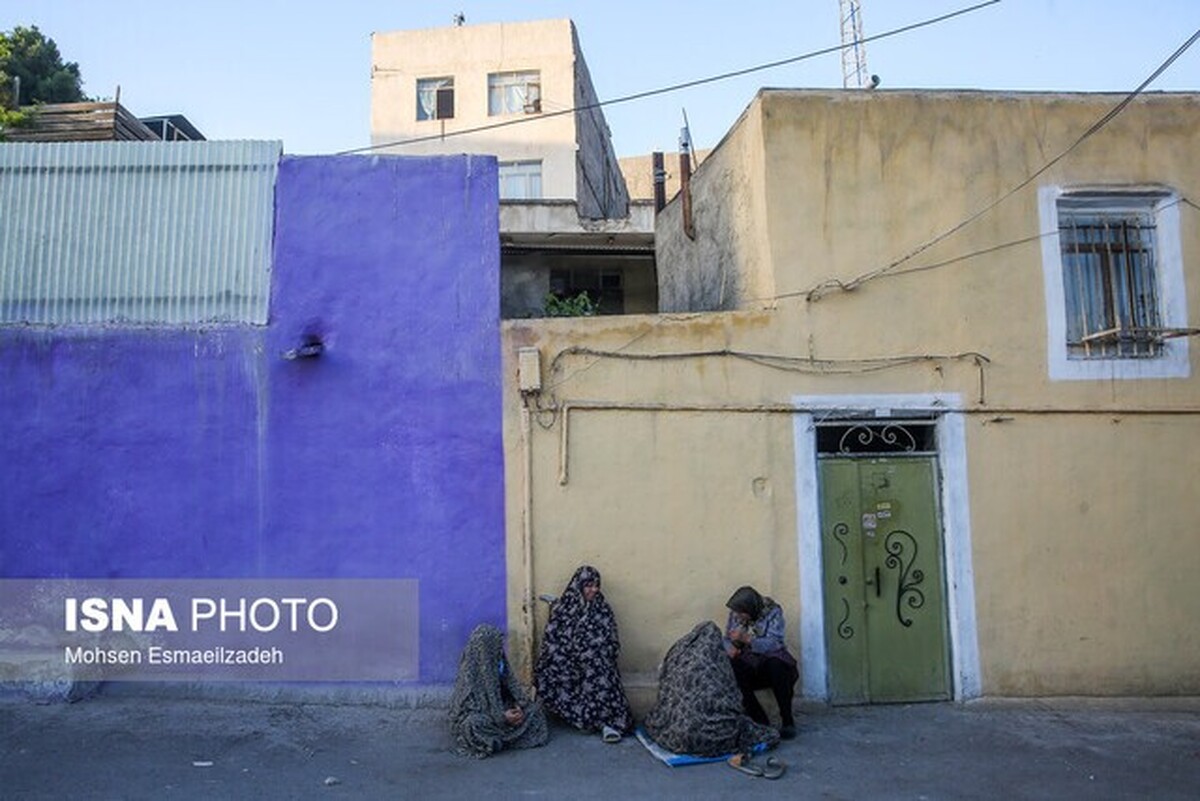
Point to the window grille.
(1110, 277)
(877, 437)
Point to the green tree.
(26, 53)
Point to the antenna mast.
(854, 50)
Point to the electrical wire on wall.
(546, 413)
(1181, 201)
(817, 291)
(853, 366)
(924, 267)
(794, 363)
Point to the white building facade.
(519, 91)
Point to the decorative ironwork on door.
(885, 618)
(901, 556)
(870, 437)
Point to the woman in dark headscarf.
(754, 641)
(489, 710)
(699, 708)
(576, 673)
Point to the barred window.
(1110, 282)
(1116, 298)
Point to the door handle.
(878, 590)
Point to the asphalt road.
(166, 748)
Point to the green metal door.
(885, 600)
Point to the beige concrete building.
(639, 173)
(521, 91)
(928, 379)
(525, 83)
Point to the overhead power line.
(818, 291)
(671, 88)
(892, 268)
(920, 268)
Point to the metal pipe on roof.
(660, 181)
(685, 182)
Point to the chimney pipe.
(685, 182)
(660, 181)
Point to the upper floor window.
(520, 180)
(435, 98)
(1109, 279)
(1114, 284)
(515, 92)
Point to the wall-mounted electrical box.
(529, 370)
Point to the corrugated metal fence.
(136, 232)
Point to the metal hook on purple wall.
(311, 348)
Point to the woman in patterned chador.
(699, 708)
(576, 673)
(490, 710)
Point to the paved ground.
(131, 747)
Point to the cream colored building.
(522, 82)
(521, 91)
(927, 379)
(639, 173)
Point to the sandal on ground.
(773, 768)
(610, 735)
(742, 764)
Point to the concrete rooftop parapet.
(561, 217)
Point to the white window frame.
(530, 171)
(500, 84)
(435, 85)
(1172, 361)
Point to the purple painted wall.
(170, 453)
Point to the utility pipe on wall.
(994, 414)
(527, 540)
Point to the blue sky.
(300, 71)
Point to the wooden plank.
(72, 107)
(81, 122)
(130, 127)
